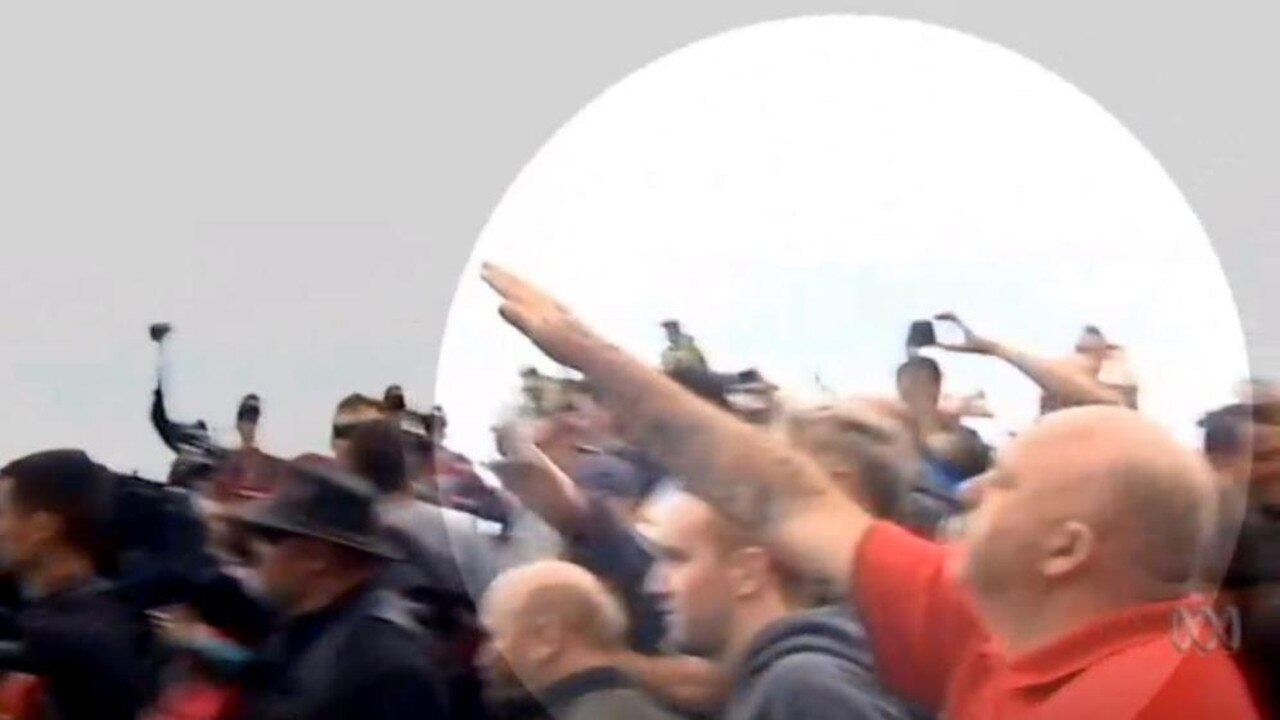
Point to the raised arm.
(1065, 381)
(753, 477)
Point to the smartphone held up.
(941, 330)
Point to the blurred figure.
(951, 451)
(1100, 359)
(870, 453)
(445, 559)
(352, 411)
(462, 557)
(727, 599)
(1067, 382)
(1242, 442)
(681, 352)
(248, 413)
(343, 647)
(454, 476)
(393, 399)
(620, 484)
(88, 650)
(555, 629)
(541, 395)
(460, 541)
(248, 473)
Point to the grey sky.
(796, 193)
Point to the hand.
(527, 440)
(973, 405)
(973, 343)
(551, 326)
(541, 487)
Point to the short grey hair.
(567, 592)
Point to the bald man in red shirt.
(1058, 603)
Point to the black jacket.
(92, 651)
(362, 657)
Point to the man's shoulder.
(384, 642)
(804, 672)
(1156, 680)
(92, 610)
(1203, 685)
(815, 684)
(620, 703)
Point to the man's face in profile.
(344, 424)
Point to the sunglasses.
(345, 430)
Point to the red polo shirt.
(931, 647)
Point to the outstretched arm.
(1063, 380)
(753, 477)
(165, 428)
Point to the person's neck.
(403, 496)
(323, 593)
(1055, 616)
(750, 619)
(576, 662)
(59, 571)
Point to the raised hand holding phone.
(971, 343)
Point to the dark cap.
(611, 476)
(323, 502)
(670, 323)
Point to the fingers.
(515, 289)
(516, 316)
(507, 285)
(954, 320)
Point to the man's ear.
(546, 638)
(749, 571)
(1067, 548)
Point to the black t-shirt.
(92, 652)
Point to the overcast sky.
(796, 193)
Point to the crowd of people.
(664, 540)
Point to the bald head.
(560, 594)
(1093, 510)
(1152, 499)
(1105, 487)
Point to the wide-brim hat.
(323, 502)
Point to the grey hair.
(569, 591)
